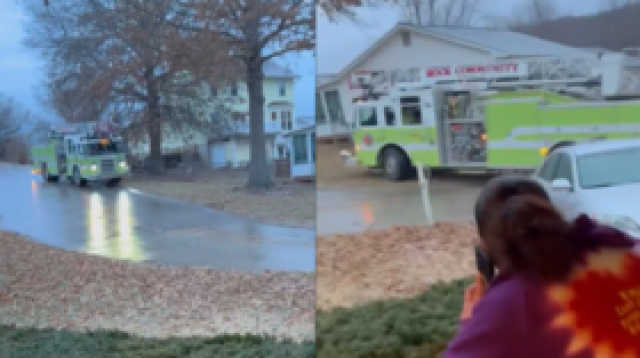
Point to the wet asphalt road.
(128, 225)
(384, 204)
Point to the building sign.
(476, 71)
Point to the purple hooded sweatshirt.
(595, 314)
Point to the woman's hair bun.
(534, 236)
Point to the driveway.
(379, 203)
(129, 225)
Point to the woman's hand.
(472, 295)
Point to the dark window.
(313, 147)
(234, 90)
(406, 38)
(282, 88)
(367, 117)
(334, 106)
(410, 100)
(564, 169)
(300, 154)
(410, 109)
(548, 168)
(389, 116)
(320, 116)
(109, 148)
(411, 115)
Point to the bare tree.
(419, 12)
(17, 126)
(531, 12)
(10, 117)
(127, 59)
(257, 32)
(440, 12)
(608, 5)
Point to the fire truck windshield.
(112, 147)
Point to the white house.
(408, 47)
(231, 147)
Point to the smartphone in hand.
(485, 265)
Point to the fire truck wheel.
(45, 174)
(77, 179)
(113, 182)
(395, 164)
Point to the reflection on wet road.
(128, 225)
(351, 210)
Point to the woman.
(563, 289)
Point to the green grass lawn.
(417, 327)
(34, 343)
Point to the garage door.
(218, 156)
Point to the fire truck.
(493, 116)
(82, 153)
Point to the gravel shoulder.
(396, 263)
(45, 287)
(288, 204)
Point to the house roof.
(272, 69)
(309, 128)
(496, 42)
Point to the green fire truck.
(497, 116)
(82, 154)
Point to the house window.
(283, 152)
(334, 106)
(239, 117)
(286, 120)
(300, 154)
(313, 147)
(214, 91)
(320, 116)
(282, 88)
(274, 115)
(234, 90)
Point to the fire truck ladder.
(609, 76)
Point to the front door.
(218, 156)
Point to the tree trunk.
(154, 162)
(259, 173)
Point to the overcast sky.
(21, 72)
(341, 42)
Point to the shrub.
(48, 343)
(416, 327)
